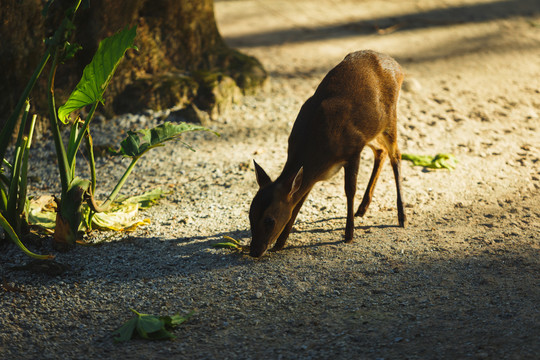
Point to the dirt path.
(462, 281)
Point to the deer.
(354, 106)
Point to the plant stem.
(3, 199)
(13, 188)
(7, 130)
(90, 150)
(65, 175)
(105, 206)
(74, 147)
(123, 179)
(11, 233)
(23, 123)
(11, 208)
(58, 42)
(6, 163)
(24, 169)
(72, 160)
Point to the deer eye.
(269, 223)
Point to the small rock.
(411, 85)
(482, 355)
(190, 114)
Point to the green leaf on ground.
(149, 327)
(177, 319)
(439, 161)
(125, 332)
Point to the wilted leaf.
(98, 73)
(43, 219)
(120, 219)
(42, 212)
(145, 200)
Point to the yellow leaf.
(121, 219)
(42, 212)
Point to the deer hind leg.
(395, 160)
(379, 154)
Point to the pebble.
(411, 85)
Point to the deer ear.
(297, 182)
(262, 178)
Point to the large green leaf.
(98, 73)
(137, 143)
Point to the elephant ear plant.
(70, 217)
(13, 197)
(89, 92)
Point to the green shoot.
(230, 244)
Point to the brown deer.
(354, 106)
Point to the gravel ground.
(460, 282)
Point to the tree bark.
(22, 32)
(181, 59)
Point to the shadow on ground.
(476, 13)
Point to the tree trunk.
(181, 59)
(22, 31)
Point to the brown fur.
(354, 106)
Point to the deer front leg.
(351, 173)
(395, 160)
(282, 239)
(396, 166)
